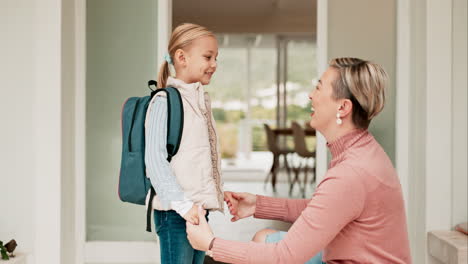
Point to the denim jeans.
(278, 236)
(174, 245)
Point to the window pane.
(301, 76)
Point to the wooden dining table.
(287, 131)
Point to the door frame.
(322, 65)
(104, 251)
(142, 251)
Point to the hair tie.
(167, 57)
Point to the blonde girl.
(192, 177)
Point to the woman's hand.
(241, 205)
(192, 215)
(200, 235)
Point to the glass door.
(243, 93)
(121, 58)
(301, 77)
(261, 79)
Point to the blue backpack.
(133, 183)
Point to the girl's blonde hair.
(362, 82)
(182, 36)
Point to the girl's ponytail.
(163, 74)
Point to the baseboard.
(19, 258)
(122, 252)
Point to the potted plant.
(7, 250)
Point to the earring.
(338, 119)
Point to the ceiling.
(289, 17)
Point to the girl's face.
(324, 106)
(201, 58)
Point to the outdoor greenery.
(227, 121)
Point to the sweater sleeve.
(157, 167)
(338, 200)
(286, 210)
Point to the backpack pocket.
(135, 185)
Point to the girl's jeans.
(174, 245)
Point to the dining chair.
(300, 148)
(277, 151)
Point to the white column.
(460, 112)
(47, 132)
(164, 28)
(438, 114)
(402, 118)
(80, 131)
(322, 63)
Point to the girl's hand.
(231, 202)
(192, 215)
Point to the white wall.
(435, 45)
(366, 29)
(460, 112)
(68, 178)
(431, 124)
(47, 131)
(416, 131)
(17, 71)
(33, 138)
(36, 136)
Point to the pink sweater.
(356, 214)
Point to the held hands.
(200, 235)
(241, 205)
(192, 215)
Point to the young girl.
(192, 177)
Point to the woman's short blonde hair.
(364, 83)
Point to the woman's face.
(201, 60)
(324, 106)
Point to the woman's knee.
(261, 235)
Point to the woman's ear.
(346, 108)
(179, 58)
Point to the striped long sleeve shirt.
(158, 168)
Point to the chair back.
(299, 136)
(271, 139)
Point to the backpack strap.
(175, 126)
(175, 121)
(148, 210)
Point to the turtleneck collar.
(192, 92)
(181, 85)
(338, 146)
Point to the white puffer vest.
(197, 164)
